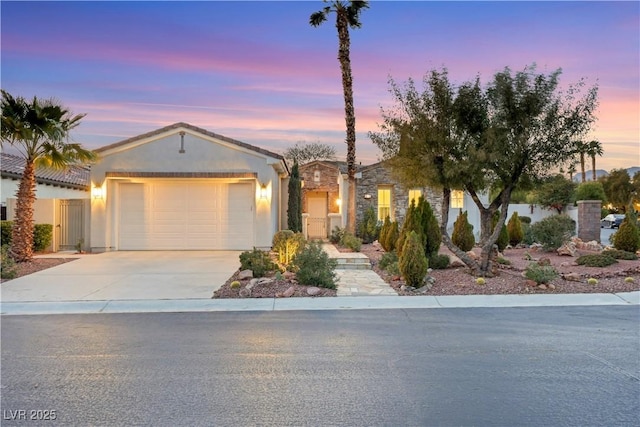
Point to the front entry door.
(317, 205)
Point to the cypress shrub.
(627, 238)
(412, 222)
(514, 227)
(384, 231)
(392, 236)
(430, 228)
(294, 203)
(462, 235)
(412, 263)
(368, 229)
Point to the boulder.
(454, 261)
(245, 293)
(568, 249)
(572, 277)
(289, 292)
(473, 255)
(313, 291)
(544, 261)
(245, 274)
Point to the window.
(457, 199)
(414, 194)
(384, 203)
(316, 176)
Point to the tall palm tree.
(594, 148)
(581, 149)
(39, 130)
(347, 16)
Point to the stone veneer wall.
(328, 182)
(589, 220)
(378, 175)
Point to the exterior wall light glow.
(96, 193)
(339, 202)
(263, 192)
(367, 196)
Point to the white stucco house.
(185, 188)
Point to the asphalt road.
(575, 366)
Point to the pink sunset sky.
(258, 72)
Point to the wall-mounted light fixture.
(339, 202)
(263, 192)
(367, 196)
(302, 183)
(181, 142)
(96, 193)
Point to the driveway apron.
(127, 275)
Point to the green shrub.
(315, 268)
(8, 266)
(5, 230)
(503, 261)
(627, 238)
(618, 254)
(553, 231)
(503, 237)
(590, 190)
(368, 229)
(596, 260)
(387, 259)
(514, 228)
(257, 261)
(384, 232)
(336, 235)
(42, 236)
(540, 273)
(462, 235)
(525, 219)
(352, 242)
(430, 228)
(287, 245)
(412, 222)
(391, 239)
(439, 261)
(413, 264)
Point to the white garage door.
(189, 215)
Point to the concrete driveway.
(130, 275)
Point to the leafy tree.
(556, 192)
(294, 203)
(520, 126)
(503, 237)
(347, 16)
(618, 188)
(39, 129)
(302, 153)
(591, 190)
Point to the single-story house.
(325, 192)
(182, 187)
(62, 199)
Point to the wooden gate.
(71, 227)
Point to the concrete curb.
(295, 304)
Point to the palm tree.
(594, 148)
(581, 149)
(39, 130)
(347, 16)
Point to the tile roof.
(73, 177)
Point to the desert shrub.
(387, 259)
(42, 236)
(627, 238)
(540, 273)
(257, 261)
(528, 236)
(368, 229)
(524, 219)
(413, 263)
(503, 261)
(618, 254)
(5, 230)
(514, 228)
(590, 190)
(462, 235)
(352, 242)
(439, 261)
(315, 268)
(287, 245)
(8, 266)
(553, 231)
(336, 235)
(596, 260)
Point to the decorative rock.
(568, 249)
(552, 286)
(245, 274)
(313, 291)
(289, 275)
(473, 255)
(245, 293)
(264, 281)
(531, 283)
(252, 283)
(542, 287)
(572, 277)
(544, 261)
(565, 264)
(454, 261)
(407, 288)
(289, 292)
(535, 247)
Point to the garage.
(185, 215)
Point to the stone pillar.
(305, 225)
(589, 220)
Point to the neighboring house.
(185, 188)
(324, 195)
(62, 199)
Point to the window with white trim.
(384, 203)
(457, 199)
